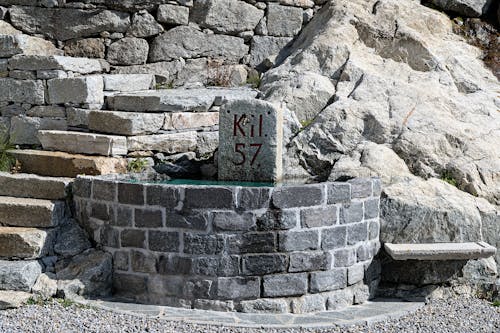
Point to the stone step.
(125, 123)
(33, 186)
(31, 213)
(440, 251)
(19, 275)
(128, 82)
(25, 243)
(13, 299)
(60, 164)
(83, 143)
(175, 100)
(54, 62)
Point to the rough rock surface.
(403, 97)
(469, 8)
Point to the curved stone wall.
(294, 248)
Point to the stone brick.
(377, 187)
(170, 143)
(165, 196)
(103, 190)
(344, 257)
(100, 211)
(79, 90)
(129, 284)
(333, 238)
(357, 233)
(52, 111)
(166, 285)
(175, 265)
(235, 288)
(188, 220)
(371, 208)
(163, 241)
(364, 252)
(128, 82)
(125, 123)
(361, 294)
(309, 261)
(215, 197)
(24, 130)
(148, 218)
(264, 306)
(318, 217)
(361, 187)
(77, 117)
(123, 216)
(351, 213)
(339, 299)
(128, 51)
(121, 261)
(254, 197)
(308, 304)
(22, 91)
(299, 240)
(190, 120)
(338, 193)
(229, 266)
(203, 244)
(82, 187)
(283, 21)
(173, 14)
(132, 194)
(264, 47)
(373, 230)
(260, 264)
(133, 238)
(202, 288)
(67, 64)
(355, 273)
(298, 196)
(278, 219)
(252, 243)
(328, 281)
(232, 221)
(213, 305)
(109, 236)
(142, 262)
(285, 285)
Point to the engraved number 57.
(239, 149)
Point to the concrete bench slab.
(440, 251)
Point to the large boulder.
(469, 8)
(392, 91)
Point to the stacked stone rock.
(295, 248)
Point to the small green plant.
(65, 303)
(496, 304)
(165, 85)
(137, 165)
(305, 123)
(254, 80)
(7, 161)
(447, 176)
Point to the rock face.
(411, 102)
(470, 8)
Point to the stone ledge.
(440, 251)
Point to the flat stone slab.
(125, 123)
(33, 186)
(19, 275)
(13, 299)
(59, 164)
(24, 243)
(32, 213)
(69, 64)
(440, 251)
(368, 313)
(177, 100)
(83, 143)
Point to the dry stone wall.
(295, 248)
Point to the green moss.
(254, 81)
(496, 304)
(137, 165)
(165, 85)
(447, 176)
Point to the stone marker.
(251, 136)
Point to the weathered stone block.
(81, 90)
(142, 262)
(265, 306)
(188, 220)
(171, 143)
(235, 288)
(282, 219)
(86, 48)
(190, 120)
(318, 217)
(24, 130)
(260, 264)
(309, 261)
(250, 138)
(373, 230)
(283, 20)
(333, 238)
(355, 273)
(253, 198)
(109, 236)
(173, 14)
(158, 195)
(133, 238)
(123, 216)
(163, 241)
(209, 197)
(361, 188)
(129, 193)
(308, 304)
(351, 213)
(24, 243)
(22, 91)
(144, 25)
(125, 123)
(339, 299)
(67, 64)
(299, 240)
(264, 47)
(77, 117)
(128, 82)
(121, 260)
(232, 221)
(298, 196)
(344, 257)
(26, 185)
(338, 193)
(128, 51)
(285, 285)
(252, 243)
(148, 218)
(328, 281)
(36, 213)
(19, 275)
(175, 264)
(203, 244)
(372, 208)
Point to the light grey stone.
(76, 22)
(22, 75)
(24, 243)
(207, 143)
(128, 51)
(125, 123)
(328, 281)
(83, 143)
(187, 42)
(19, 275)
(128, 82)
(11, 45)
(355, 273)
(27, 185)
(173, 14)
(80, 90)
(13, 299)
(3, 12)
(250, 139)
(77, 117)
(45, 286)
(24, 130)
(264, 306)
(22, 91)
(264, 47)
(69, 64)
(235, 288)
(469, 8)
(283, 20)
(440, 251)
(339, 299)
(171, 143)
(164, 71)
(144, 25)
(51, 74)
(49, 111)
(309, 303)
(190, 120)
(226, 16)
(285, 285)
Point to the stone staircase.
(31, 210)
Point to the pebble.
(441, 316)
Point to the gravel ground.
(453, 315)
